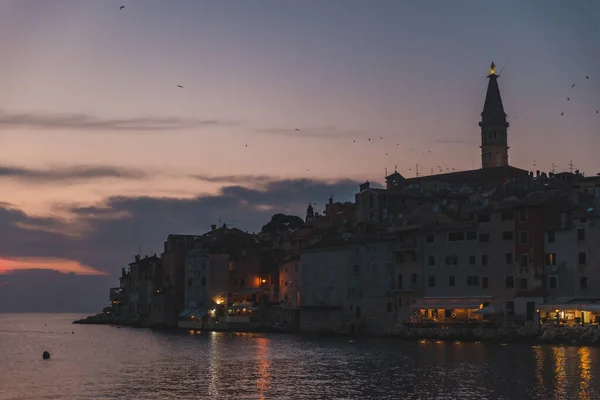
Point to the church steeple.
(494, 127)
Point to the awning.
(489, 310)
(449, 303)
(184, 313)
(198, 314)
(591, 307)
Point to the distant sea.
(105, 362)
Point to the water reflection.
(264, 377)
(584, 365)
(103, 362)
(213, 374)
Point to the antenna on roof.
(571, 165)
(553, 167)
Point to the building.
(325, 278)
(173, 258)
(572, 268)
(207, 285)
(494, 127)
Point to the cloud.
(237, 179)
(8, 265)
(119, 226)
(90, 123)
(68, 174)
(329, 132)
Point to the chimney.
(537, 173)
(137, 257)
(577, 172)
(213, 227)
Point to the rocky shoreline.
(584, 336)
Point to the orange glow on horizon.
(64, 266)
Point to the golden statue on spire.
(492, 68)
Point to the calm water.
(102, 362)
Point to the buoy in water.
(46, 355)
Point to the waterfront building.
(572, 268)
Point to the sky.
(101, 153)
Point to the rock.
(46, 355)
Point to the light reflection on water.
(100, 362)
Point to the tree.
(282, 222)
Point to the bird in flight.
(122, 8)
(573, 85)
(297, 130)
(587, 77)
(179, 86)
(568, 98)
(562, 113)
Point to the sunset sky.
(101, 153)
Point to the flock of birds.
(439, 167)
(569, 97)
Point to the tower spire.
(494, 143)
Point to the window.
(431, 260)
(509, 258)
(413, 279)
(510, 282)
(484, 282)
(524, 260)
(431, 281)
(484, 237)
(472, 281)
(472, 259)
(523, 238)
(553, 282)
(522, 215)
(400, 281)
(510, 307)
(485, 259)
(451, 281)
(508, 215)
(203, 283)
(582, 258)
(356, 269)
(399, 302)
(456, 236)
(471, 235)
(523, 283)
(190, 282)
(389, 306)
(452, 260)
(482, 218)
(550, 236)
(583, 282)
(551, 259)
(430, 239)
(581, 234)
(508, 235)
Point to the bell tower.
(494, 127)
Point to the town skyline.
(86, 179)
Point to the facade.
(289, 283)
(207, 282)
(324, 287)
